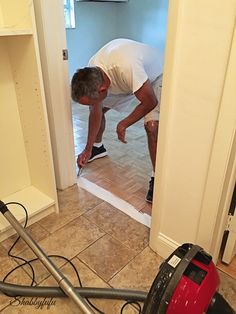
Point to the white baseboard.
(163, 245)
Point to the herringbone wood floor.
(126, 170)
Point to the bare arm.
(95, 117)
(148, 102)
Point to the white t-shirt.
(128, 64)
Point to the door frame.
(222, 166)
(209, 238)
(50, 24)
(204, 222)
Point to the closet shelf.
(26, 162)
(37, 204)
(14, 32)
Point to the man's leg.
(151, 128)
(99, 150)
(151, 123)
(102, 126)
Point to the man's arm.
(94, 122)
(148, 101)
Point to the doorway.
(227, 259)
(127, 169)
(164, 235)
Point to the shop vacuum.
(187, 282)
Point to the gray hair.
(86, 82)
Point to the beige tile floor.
(108, 248)
(126, 170)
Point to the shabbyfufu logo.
(38, 303)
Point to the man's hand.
(145, 94)
(120, 130)
(83, 158)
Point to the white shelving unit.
(26, 167)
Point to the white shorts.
(154, 115)
(119, 102)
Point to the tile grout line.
(114, 237)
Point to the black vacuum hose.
(13, 290)
(220, 306)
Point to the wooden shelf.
(37, 204)
(26, 165)
(14, 32)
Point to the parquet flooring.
(126, 170)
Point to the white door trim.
(222, 166)
(196, 128)
(52, 39)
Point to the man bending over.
(121, 71)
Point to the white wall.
(97, 23)
(197, 56)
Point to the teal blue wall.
(145, 21)
(96, 24)
(99, 22)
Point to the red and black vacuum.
(187, 282)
